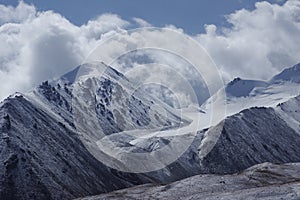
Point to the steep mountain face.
(265, 181)
(41, 158)
(100, 94)
(253, 136)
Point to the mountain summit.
(290, 74)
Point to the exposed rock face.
(264, 181)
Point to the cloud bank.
(35, 45)
(259, 43)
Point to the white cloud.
(35, 46)
(17, 14)
(103, 24)
(259, 43)
(163, 68)
(141, 22)
(168, 47)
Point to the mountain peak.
(235, 80)
(91, 69)
(242, 88)
(291, 74)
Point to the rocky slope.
(264, 181)
(40, 158)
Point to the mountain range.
(50, 138)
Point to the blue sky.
(44, 39)
(190, 15)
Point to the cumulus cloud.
(35, 46)
(17, 14)
(167, 48)
(164, 69)
(259, 43)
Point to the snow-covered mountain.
(117, 106)
(42, 153)
(289, 74)
(41, 158)
(50, 138)
(242, 88)
(242, 94)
